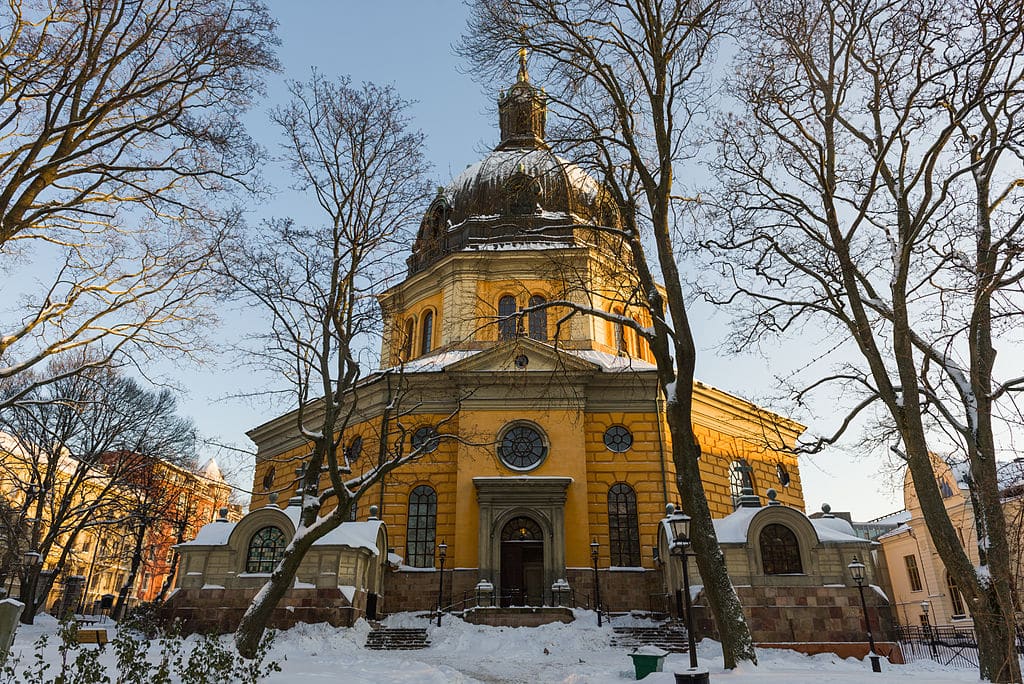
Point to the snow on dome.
(834, 529)
(212, 534)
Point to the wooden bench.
(92, 636)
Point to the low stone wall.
(804, 614)
(220, 610)
(621, 590)
(517, 617)
(845, 649)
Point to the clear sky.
(409, 44)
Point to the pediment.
(522, 355)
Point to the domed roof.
(523, 182)
(518, 194)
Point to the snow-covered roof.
(355, 535)
(609, 363)
(211, 471)
(892, 533)
(897, 518)
(734, 528)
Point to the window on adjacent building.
(780, 551)
(266, 548)
(538, 319)
(955, 598)
(912, 572)
(428, 333)
(421, 527)
(944, 487)
(508, 323)
(623, 531)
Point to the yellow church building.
(544, 425)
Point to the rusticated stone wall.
(220, 610)
(804, 614)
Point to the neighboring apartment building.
(917, 572)
(164, 502)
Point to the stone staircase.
(396, 639)
(669, 636)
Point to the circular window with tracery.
(522, 447)
(618, 439)
(426, 439)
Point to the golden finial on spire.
(523, 75)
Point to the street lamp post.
(679, 523)
(597, 584)
(857, 571)
(442, 550)
(928, 626)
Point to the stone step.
(397, 639)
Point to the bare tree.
(118, 133)
(871, 189)
(625, 79)
(351, 149)
(82, 442)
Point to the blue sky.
(409, 44)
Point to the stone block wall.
(804, 614)
(621, 590)
(412, 590)
(220, 610)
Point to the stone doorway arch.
(539, 499)
(522, 563)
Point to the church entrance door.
(522, 563)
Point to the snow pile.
(577, 653)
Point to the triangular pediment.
(522, 355)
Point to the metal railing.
(949, 645)
(516, 597)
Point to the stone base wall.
(845, 649)
(804, 614)
(517, 617)
(220, 610)
(621, 590)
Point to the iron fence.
(949, 645)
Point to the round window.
(426, 439)
(522, 447)
(618, 439)
(354, 450)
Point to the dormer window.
(524, 194)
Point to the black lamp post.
(928, 626)
(442, 550)
(597, 584)
(679, 523)
(857, 572)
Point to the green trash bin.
(647, 660)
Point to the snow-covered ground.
(577, 653)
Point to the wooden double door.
(522, 563)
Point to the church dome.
(520, 193)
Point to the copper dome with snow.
(520, 194)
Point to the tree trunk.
(254, 622)
(737, 642)
(133, 572)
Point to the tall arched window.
(623, 534)
(508, 323)
(428, 332)
(780, 551)
(956, 598)
(538, 319)
(266, 548)
(421, 527)
(410, 328)
(740, 478)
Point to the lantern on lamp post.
(679, 524)
(594, 546)
(858, 572)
